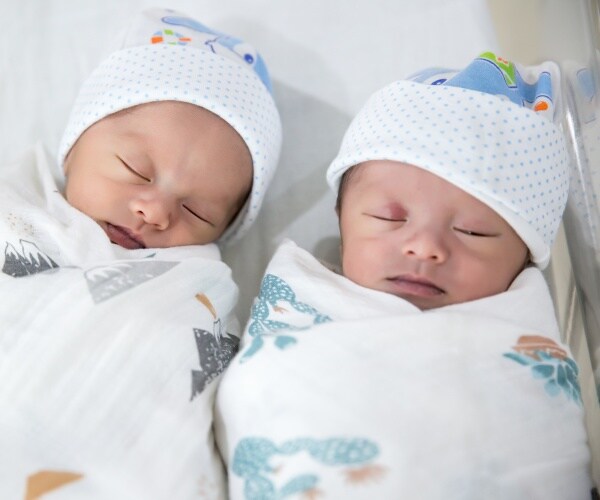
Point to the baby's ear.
(65, 166)
(338, 205)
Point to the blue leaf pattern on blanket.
(549, 362)
(276, 309)
(252, 456)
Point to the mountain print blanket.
(109, 358)
(343, 392)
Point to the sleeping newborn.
(432, 366)
(117, 311)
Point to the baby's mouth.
(415, 286)
(123, 237)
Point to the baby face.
(410, 233)
(160, 174)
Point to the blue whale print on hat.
(494, 75)
(243, 50)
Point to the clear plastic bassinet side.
(582, 216)
(568, 32)
(572, 37)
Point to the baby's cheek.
(75, 191)
(479, 280)
(358, 263)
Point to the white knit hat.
(168, 56)
(504, 149)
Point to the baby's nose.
(156, 210)
(425, 244)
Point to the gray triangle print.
(105, 282)
(25, 260)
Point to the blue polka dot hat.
(489, 129)
(169, 56)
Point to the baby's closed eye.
(392, 212)
(387, 217)
(198, 216)
(133, 170)
(478, 233)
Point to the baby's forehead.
(390, 180)
(404, 191)
(368, 170)
(134, 121)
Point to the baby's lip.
(124, 237)
(409, 284)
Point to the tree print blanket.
(343, 392)
(109, 358)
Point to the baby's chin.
(421, 303)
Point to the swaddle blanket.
(109, 358)
(344, 392)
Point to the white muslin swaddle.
(352, 393)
